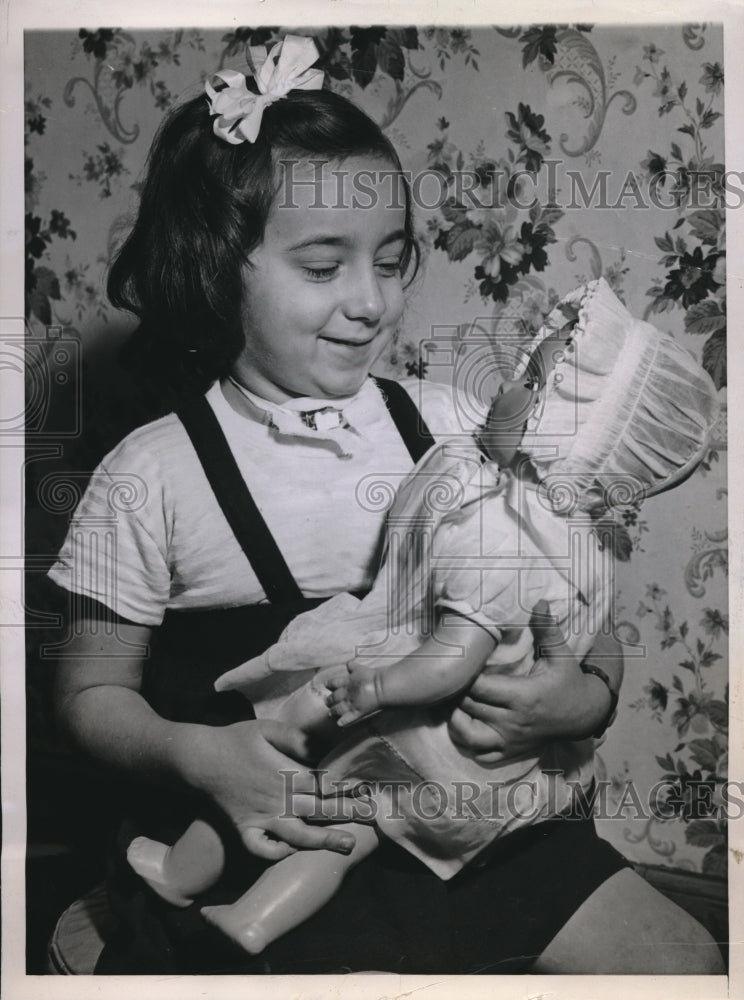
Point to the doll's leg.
(289, 892)
(178, 873)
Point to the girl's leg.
(289, 892)
(627, 927)
(178, 873)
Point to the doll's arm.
(443, 665)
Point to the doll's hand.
(355, 693)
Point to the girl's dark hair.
(203, 210)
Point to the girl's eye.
(320, 272)
(389, 268)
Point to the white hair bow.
(286, 67)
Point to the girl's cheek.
(396, 302)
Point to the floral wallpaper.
(588, 151)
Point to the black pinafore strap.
(408, 420)
(234, 497)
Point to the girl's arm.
(443, 665)
(99, 705)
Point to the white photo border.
(16, 16)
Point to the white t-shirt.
(149, 535)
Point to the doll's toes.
(334, 681)
(337, 698)
(338, 709)
(347, 717)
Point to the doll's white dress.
(462, 538)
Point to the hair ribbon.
(285, 67)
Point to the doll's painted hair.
(203, 210)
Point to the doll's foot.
(227, 918)
(147, 857)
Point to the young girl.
(256, 277)
(604, 408)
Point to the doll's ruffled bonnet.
(625, 412)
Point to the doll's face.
(507, 419)
(517, 400)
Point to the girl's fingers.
(495, 689)
(348, 717)
(232, 679)
(304, 806)
(258, 842)
(329, 808)
(550, 642)
(343, 809)
(472, 734)
(490, 714)
(322, 838)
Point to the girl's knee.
(680, 944)
(627, 927)
(697, 953)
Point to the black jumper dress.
(392, 914)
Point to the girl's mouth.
(351, 344)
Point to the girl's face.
(322, 294)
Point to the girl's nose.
(365, 301)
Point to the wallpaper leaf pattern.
(516, 110)
(508, 243)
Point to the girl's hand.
(251, 770)
(505, 716)
(355, 693)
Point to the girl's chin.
(326, 385)
(339, 386)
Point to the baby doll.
(603, 410)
